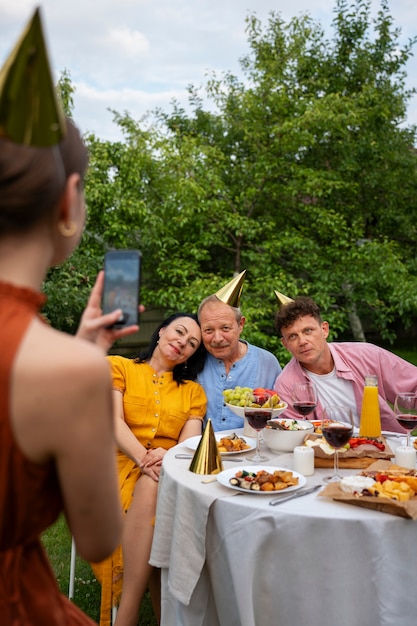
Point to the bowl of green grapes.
(236, 399)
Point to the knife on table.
(296, 494)
(388, 433)
(224, 458)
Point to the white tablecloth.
(180, 532)
(233, 560)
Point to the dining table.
(230, 558)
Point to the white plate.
(224, 477)
(193, 442)
(240, 410)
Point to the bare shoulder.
(65, 380)
(60, 354)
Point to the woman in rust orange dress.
(55, 390)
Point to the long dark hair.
(183, 371)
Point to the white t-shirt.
(334, 390)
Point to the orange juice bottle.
(370, 424)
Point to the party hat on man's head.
(283, 299)
(30, 111)
(231, 292)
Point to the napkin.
(180, 528)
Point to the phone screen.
(121, 284)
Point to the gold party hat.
(207, 459)
(30, 111)
(283, 299)
(231, 292)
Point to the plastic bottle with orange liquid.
(370, 423)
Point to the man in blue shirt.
(231, 361)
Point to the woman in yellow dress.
(157, 404)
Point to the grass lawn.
(57, 541)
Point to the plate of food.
(261, 479)
(358, 454)
(383, 486)
(228, 444)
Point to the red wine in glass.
(337, 434)
(258, 419)
(304, 408)
(409, 422)
(337, 428)
(405, 409)
(304, 397)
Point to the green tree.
(319, 171)
(68, 285)
(304, 174)
(66, 92)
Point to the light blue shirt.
(258, 368)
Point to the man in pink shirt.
(338, 369)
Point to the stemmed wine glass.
(257, 416)
(304, 397)
(337, 428)
(405, 409)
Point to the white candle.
(406, 457)
(304, 460)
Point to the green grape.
(236, 396)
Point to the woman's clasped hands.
(151, 463)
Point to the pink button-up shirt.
(353, 361)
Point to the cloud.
(124, 96)
(129, 42)
(134, 55)
(94, 107)
(20, 10)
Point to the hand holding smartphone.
(122, 270)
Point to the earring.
(185, 366)
(67, 230)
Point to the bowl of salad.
(284, 434)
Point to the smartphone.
(122, 270)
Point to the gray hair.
(213, 298)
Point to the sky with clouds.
(135, 55)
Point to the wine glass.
(405, 409)
(337, 428)
(257, 416)
(304, 398)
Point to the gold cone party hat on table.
(283, 299)
(30, 111)
(207, 459)
(231, 292)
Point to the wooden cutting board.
(350, 460)
(349, 463)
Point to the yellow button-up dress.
(155, 409)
